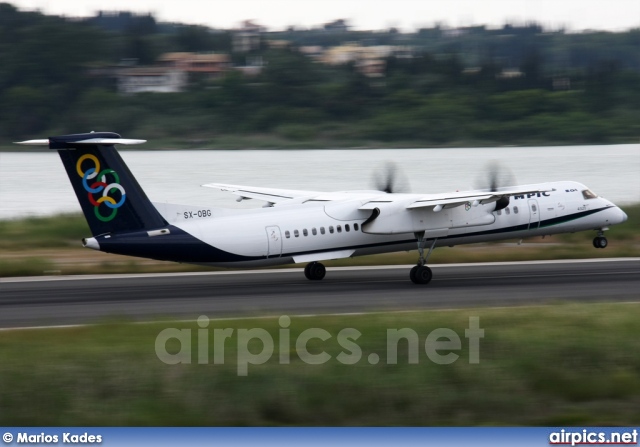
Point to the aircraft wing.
(451, 200)
(272, 195)
(373, 199)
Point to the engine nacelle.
(502, 203)
(395, 218)
(391, 218)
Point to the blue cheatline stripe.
(285, 437)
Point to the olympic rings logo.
(101, 186)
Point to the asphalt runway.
(52, 301)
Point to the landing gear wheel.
(307, 271)
(600, 242)
(412, 274)
(421, 274)
(318, 271)
(315, 271)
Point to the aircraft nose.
(616, 216)
(624, 216)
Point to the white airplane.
(311, 226)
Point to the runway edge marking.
(339, 314)
(299, 269)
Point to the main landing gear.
(315, 271)
(600, 241)
(421, 274)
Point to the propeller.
(496, 176)
(390, 179)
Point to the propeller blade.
(494, 177)
(390, 179)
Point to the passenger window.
(588, 194)
(515, 210)
(534, 208)
(339, 228)
(507, 210)
(331, 229)
(287, 234)
(295, 233)
(314, 231)
(355, 227)
(346, 228)
(321, 230)
(305, 232)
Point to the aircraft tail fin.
(109, 195)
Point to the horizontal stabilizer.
(110, 141)
(45, 142)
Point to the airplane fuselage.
(321, 230)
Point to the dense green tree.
(199, 38)
(445, 87)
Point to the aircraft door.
(534, 214)
(274, 238)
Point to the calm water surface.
(36, 183)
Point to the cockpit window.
(587, 194)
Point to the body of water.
(36, 183)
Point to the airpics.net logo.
(593, 437)
(256, 346)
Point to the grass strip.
(561, 364)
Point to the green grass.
(29, 266)
(35, 245)
(59, 231)
(570, 364)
